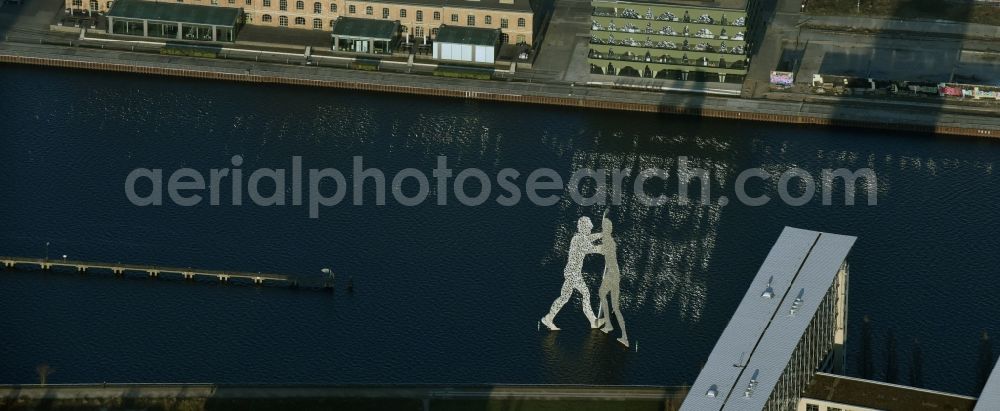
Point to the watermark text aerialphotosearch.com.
(329, 187)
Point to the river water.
(451, 293)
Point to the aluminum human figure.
(580, 245)
(610, 282)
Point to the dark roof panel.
(468, 35)
(366, 28)
(175, 12)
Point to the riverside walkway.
(150, 270)
(370, 397)
(811, 110)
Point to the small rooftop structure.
(466, 44)
(365, 35)
(176, 13)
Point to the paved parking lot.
(890, 57)
(563, 54)
(885, 63)
(975, 67)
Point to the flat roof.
(175, 12)
(365, 28)
(468, 35)
(884, 396)
(747, 326)
(712, 4)
(774, 352)
(516, 5)
(990, 396)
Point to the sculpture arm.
(589, 247)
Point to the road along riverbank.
(901, 116)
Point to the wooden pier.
(150, 270)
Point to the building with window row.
(790, 324)
(783, 349)
(419, 19)
(673, 38)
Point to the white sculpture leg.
(605, 311)
(618, 314)
(564, 294)
(588, 311)
(567, 291)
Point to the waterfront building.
(790, 324)
(419, 20)
(673, 38)
(467, 44)
(365, 35)
(836, 392)
(173, 21)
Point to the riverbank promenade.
(558, 76)
(360, 397)
(818, 110)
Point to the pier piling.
(153, 272)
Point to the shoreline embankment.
(911, 117)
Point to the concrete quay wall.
(198, 397)
(891, 116)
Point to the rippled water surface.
(450, 293)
